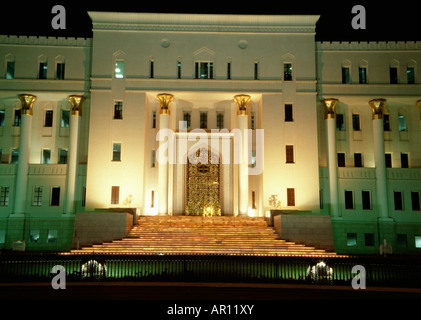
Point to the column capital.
(165, 100)
(27, 101)
(76, 102)
(377, 107)
(242, 102)
(330, 105)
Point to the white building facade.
(333, 127)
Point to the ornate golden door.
(202, 186)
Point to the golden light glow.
(76, 105)
(242, 102)
(27, 101)
(251, 212)
(330, 105)
(377, 106)
(165, 100)
(419, 106)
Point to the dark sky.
(385, 21)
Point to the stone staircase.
(188, 235)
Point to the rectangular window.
(290, 197)
(52, 236)
(358, 162)
(253, 121)
(187, 120)
(118, 110)
(119, 69)
(410, 75)
(151, 69)
(55, 196)
(15, 156)
(37, 197)
(17, 118)
(388, 160)
(404, 160)
(417, 241)
(204, 70)
(203, 120)
(386, 122)
(220, 121)
(288, 113)
(229, 70)
(46, 156)
(345, 75)
(402, 122)
(351, 239)
(253, 200)
(115, 194)
(60, 71)
(393, 71)
(4, 196)
(153, 120)
(363, 75)
(62, 156)
(356, 122)
(289, 150)
(340, 123)
(10, 70)
(116, 151)
(34, 236)
(48, 120)
(349, 199)
(397, 197)
(256, 71)
(366, 197)
(2, 116)
(178, 69)
(153, 158)
(369, 239)
(287, 71)
(65, 118)
(42, 70)
(341, 159)
(415, 200)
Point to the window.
(153, 158)
(152, 198)
(4, 196)
(37, 197)
(252, 121)
(402, 122)
(187, 120)
(52, 236)
(151, 69)
(55, 196)
(17, 118)
(388, 160)
(369, 239)
(288, 113)
(287, 71)
(220, 121)
(349, 199)
(397, 197)
(116, 151)
(178, 69)
(204, 70)
(118, 110)
(341, 159)
(256, 71)
(351, 239)
(290, 197)
(253, 200)
(366, 197)
(229, 70)
(410, 75)
(46, 156)
(340, 123)
(363, 75)
(153, 120)
(404, 160)
(119, 69)
(203, 120)
(345, 75)
(358, 163)
(15, 156)
(62, 156)
(42, 70)
(65, 118)
(34, 236)
(386, 122)
(48, 120)
(401, 241)
(417, 241)
(2, 116)
(115, 194)
(60, 71)
(10, 70)
(289, 150)
(393, 71)
(356, 122)
(415, 200)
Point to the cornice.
(368, 45)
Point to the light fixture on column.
(242, 102)
(377, 106)
(76, 102)
(27, 101)
(330, 105)
(165, 100)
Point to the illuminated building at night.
(334, 129)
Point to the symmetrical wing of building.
(174, 114)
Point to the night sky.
(385, 21)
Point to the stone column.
(243, 185)
(377, 106)
(73, 155)
(330, 122)
(164, 123)
(27, 101)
